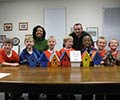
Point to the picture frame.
(93, 31)
(8, 26)
(2, 37)
(15, 40)
(23, 26)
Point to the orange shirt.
(48, 53)
(14, 58)
(115, 54)
(66, 50)
(103, 52)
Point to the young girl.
(113, 45)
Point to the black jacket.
(77, 42)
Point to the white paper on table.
(75, 56)
(4, 74)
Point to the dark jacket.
(77, 42)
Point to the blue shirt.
(24, 56)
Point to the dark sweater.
(77, 42)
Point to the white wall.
(87, 12)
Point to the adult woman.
(39, 38)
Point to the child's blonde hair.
(111, 41)
(66, 38)
(28, 38)
(51, 37)
(103, 38)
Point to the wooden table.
(99, 80)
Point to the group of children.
(9, 57)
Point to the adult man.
(77, 35)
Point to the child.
(68, 43)
(87, 45)
(113, 45)
(101, 44)
(29, 51)
(26, 54)
(48, 53)
(51, 45)
(107, 57)
(9, 57)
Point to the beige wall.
(87, 12)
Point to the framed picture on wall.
(93, 31)
(23, 26)
(2, 37)
(8, 26)
(15, 40)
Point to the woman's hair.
(34, 32)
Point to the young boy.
(29, 52)
(25, 57)
(101, 44)
(51, 45)
(87, 46)
(9, 57)
(68, 43)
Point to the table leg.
(6, 96)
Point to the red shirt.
(14, 58)
(48, 53)
(103, 52)
(66, 50)
(115, 54)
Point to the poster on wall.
(93, 31)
